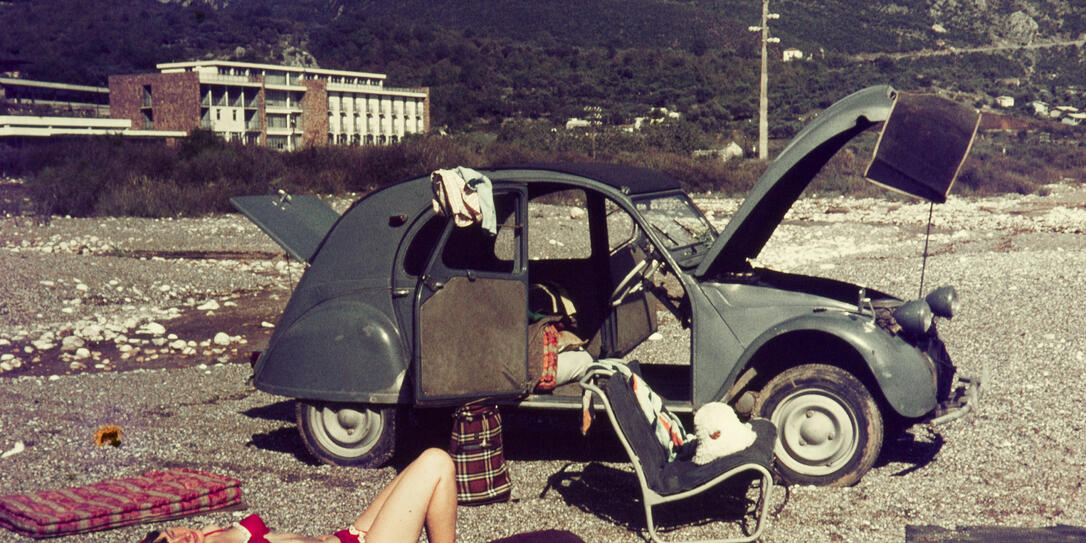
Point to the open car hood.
(924, 141)
(298, 223)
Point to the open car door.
(472, 311)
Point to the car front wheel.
(345, 434)
(829, 428)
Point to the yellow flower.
(109, 434)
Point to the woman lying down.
(422, 495)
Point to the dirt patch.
(246, 320)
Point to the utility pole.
(763, 99)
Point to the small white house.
(791, 54)
(577, 123)
(1039, 108)
(1005, 101)
(728, 152)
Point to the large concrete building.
(281, 107)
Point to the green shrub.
(114, 176)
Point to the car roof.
(632, 180)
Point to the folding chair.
(663, 481)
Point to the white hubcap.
(346, 432)
(817, 433)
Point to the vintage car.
(400, 309)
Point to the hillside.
(486, 61)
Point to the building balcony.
(229, 79)
(282, 107)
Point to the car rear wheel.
(829, 428)
(345, 434)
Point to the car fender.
(900, 370)
(342, 349)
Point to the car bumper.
(964, 399)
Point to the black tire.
(829, 428)
(347, 434)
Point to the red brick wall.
(315, 113)
(175, 99)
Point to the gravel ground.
(1017, 262)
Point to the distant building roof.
(16, 82)
(193, 64)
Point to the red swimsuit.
(252, 525)
(255, 527)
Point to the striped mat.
(153, 496)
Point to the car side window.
(472, 248)
(422, 246)
(559, 226)
(621, 228)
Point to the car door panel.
(473, 339)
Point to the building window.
(277, 142)
(218, 114)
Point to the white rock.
(46, 283)
(158, 341)
(71, 343)
(91, 332)
(82, 352)
(267, 324)
(6, 357)
(18, 448)
(4, 342)
(209, 305)
(222, 338)
(42, 345)
(6, 366)
(178, 344)
(171, 337)
(82, 287)
(154, 328)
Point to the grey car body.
(400, 309)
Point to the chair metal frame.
(651, 498)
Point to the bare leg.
(423, 494)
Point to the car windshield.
(677, 220)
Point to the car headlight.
(943, 301)
(915, 317)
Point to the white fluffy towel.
(719, 432)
